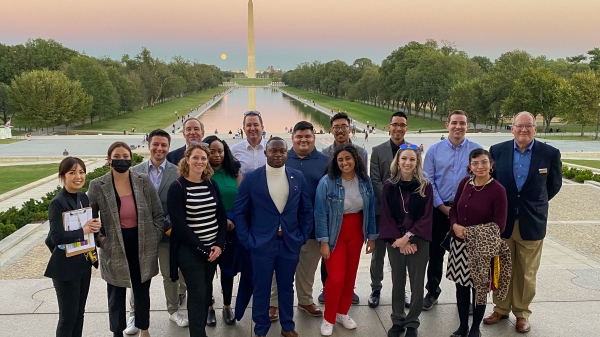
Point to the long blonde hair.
(184, 168)
(417, 173)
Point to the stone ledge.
(592, 183)
(21, 234)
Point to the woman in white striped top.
(198, 234)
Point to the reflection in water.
(277, 111)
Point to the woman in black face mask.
(132, 227)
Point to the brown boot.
(494, 318)
(273, 313)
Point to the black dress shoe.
(228, 316)
(395, 331)
(322, 296)
(406, 302)
(355, 299)
(374, 299)
(211, 318)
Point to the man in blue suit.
(273, 216)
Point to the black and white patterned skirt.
(458, 264)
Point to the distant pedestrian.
(65, 152)
(367, 136)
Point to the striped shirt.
(201, 213)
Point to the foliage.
(95, 82)
(583, 97)
(579, 175)
(6, 230)
(45, 98)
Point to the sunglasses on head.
(198, 143)
(409, 146)
(252, 112)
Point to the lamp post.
(597, 121)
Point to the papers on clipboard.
(74, 220)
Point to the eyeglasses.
(482, 163)
(409, 146)
(340, 127)
(396, 125)
(252, 112)
(527, 127)
(199, 143)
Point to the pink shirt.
(128, 213)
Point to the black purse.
(446, 242)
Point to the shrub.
(579, 175)
(6, 230)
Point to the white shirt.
(250, 157)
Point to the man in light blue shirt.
(445, 165)
(521, 163)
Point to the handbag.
(446, 242)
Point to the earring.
(491, 170)
(470, 172)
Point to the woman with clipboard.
(70, 275)
(132, 227)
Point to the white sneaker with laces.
(179, 319)
(326, 328)
(131, 329)
(346, 321)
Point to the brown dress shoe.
(311, 309)
(273, 313)
(523, 325)
(494, 318)
(289, 333)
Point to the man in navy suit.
(273, 215)
(531, 173)
(193, 131)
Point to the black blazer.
(176, 155)
(543, 182)
(60, 266)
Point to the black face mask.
(121, 165)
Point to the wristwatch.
(410, 236)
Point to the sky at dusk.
(290, 32)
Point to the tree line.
(45, 84)
(429, 78)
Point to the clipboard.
(74, 220)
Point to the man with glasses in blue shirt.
(445, 165)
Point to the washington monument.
(251, 58)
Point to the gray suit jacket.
(381, 161)
(169, 176)
(113, 263)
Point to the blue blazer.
(257, 219)
(544, 180)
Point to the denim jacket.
(329, 210)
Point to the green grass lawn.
(364, 113)
(12, 177)
(252, 81)
(583, 162)
(564, 136)
(9, 141)
(158, 116)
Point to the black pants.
(323, 272)
(71, 296)
(435, 269)
(463, 302)
(198, 274)
(141, 291)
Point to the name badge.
(543, 171)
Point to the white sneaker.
(131, 329)
(326, 328)
(179, 319)
(346, 321)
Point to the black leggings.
(463, 302)
(226, 287)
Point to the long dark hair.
(333, 169)
(230, 164)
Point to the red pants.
(342, 267)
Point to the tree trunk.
(582, 126)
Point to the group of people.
(272, 213)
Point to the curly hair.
(184, 168)
(333, 169)
(230, 164)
